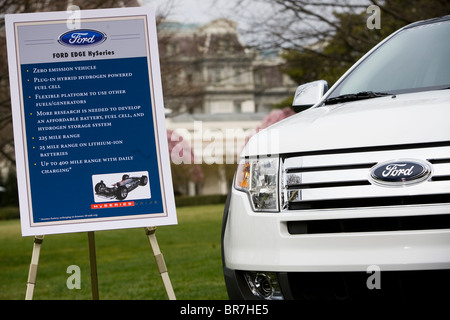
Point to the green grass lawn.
(126, 266)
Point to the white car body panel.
(407, 118)
(260, 241)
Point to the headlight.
(259, 178)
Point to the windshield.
(415, 59)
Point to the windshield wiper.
(356, 96)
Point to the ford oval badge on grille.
(81, 37)
(400, 172)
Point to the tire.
(100, 187)
(122, 193)
(143, 181)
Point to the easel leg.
(32, 274)
(150, 231)
(93, 265)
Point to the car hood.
(391, 120)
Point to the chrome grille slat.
(441, 169)
(337, 177)
(372, 191)
(435, 153)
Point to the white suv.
(351, 197)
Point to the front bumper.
(418, 284)
(262, 242)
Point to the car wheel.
(143, 181)
(100, 187)
(122, 193)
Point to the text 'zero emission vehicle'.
(351, 197)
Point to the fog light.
(264, 285)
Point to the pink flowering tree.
(182, 163)
(273, 117)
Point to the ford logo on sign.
(400, 172)
(83, 37)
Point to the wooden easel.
(150, 232)
(32, 274)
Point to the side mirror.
(309, 94)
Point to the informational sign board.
(88, 116)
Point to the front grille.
(377, 224)
(340, 178)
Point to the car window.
(415, 59)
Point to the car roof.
(428, 21)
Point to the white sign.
(88, 116)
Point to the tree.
(273, 117)
(10, 196)
(322, 39)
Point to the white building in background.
(216, 92)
